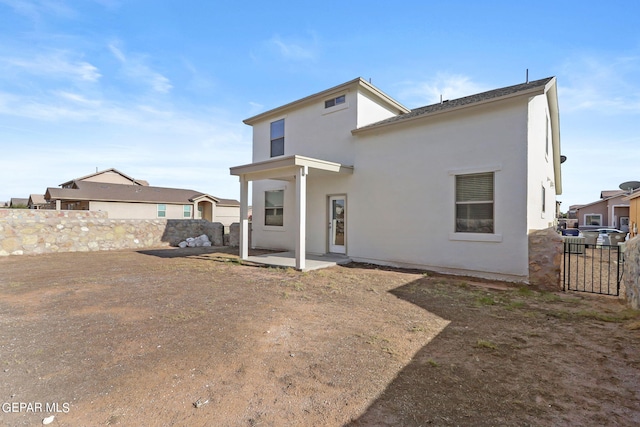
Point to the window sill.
(476, 237)
(335, 108)
(273, 228)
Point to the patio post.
(244, 220)
(301, 213)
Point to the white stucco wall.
(274, 237)
(540, 166)
(402, 197)
(312, 131)
(370, 111)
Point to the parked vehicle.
(609, 231)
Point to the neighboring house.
(18, 203)
(37, 201)
(454, 187)
(612, 211)
(123, 197)
(634, 212)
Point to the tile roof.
(464, 101)
(100, 191)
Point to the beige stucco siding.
(109, 177)
(226, 215)
(118, 210)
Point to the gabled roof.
(113, 170)
(37, 199)
(358, 82)
(537, 87)
(18, 201)
(107, 192)
(610, 193)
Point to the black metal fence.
(592, 268)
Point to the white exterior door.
(337, 224)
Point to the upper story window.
(335, 101)
(474, 203)
(277, 138)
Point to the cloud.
(35, 9)
(293, 50)
(600, 84)
(449, 86)
(136, 69)
(56, 64)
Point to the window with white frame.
(274, 207)
(335, 101)
(277, 138)
(186, 211)
(475, 203)
(162, 211)
(593, 219)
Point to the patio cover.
(290, 168)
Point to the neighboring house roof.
(37, 199)
(18, 201)
(610, 193)
(110, 170)
(107, 192)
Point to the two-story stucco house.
(452, 187)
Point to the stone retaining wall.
(28, 232)
(631, 274)
(545, 259)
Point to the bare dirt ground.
(190, 337)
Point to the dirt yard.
(190, 337)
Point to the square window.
(593, 219)
(274, 208)
(474, 203)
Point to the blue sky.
(159, 89)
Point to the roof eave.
(551, 92)
(344, 86)
(538, 90)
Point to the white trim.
(476, 237)
(479, 169)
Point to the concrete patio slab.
(288, 259)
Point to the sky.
(158, 89)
